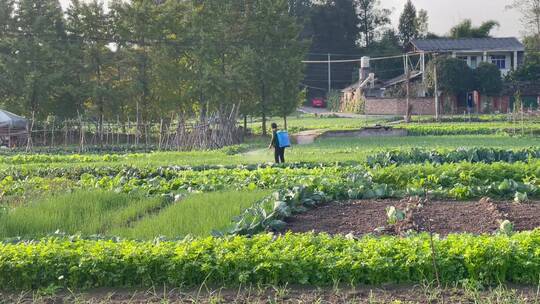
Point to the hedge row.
(268, 259)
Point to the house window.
(464, 58)
(499, 61)
(474, 62)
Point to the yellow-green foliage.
(269, 259)
(197, 215)
(86, 212)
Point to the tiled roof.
(468, 44)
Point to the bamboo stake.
(29, 143)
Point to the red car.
(318, 102)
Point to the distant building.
(13, 129)
(506, 53)
(387, 96)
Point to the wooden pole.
(45, 133)
(436, 89)
(52, 133)
(127, 131)
(29, 139)
(408, 84)
(138, 126)
(160, 133)
(81, 128)
(65, 134)
(118, 129)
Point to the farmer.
(279, 153)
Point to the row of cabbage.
(503, 128)
(457, 180)
(473, 155)
(381, 158)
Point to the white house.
(506, 53)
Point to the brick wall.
(397, 106)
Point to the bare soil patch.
(441, 217)
(523, 216)
(456, 217)
(357, 217)
(360, 294)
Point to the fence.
(179, 134)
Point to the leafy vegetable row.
(472, 128)
(459, 180)
(473, 155)
(270, 259)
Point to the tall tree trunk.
(101, 109)
(204, 106)
(263, 109)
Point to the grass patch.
(85, 212)
(197, 215)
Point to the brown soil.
(441, 217)
(357, 217)
(456, 217)
(361, 294)
(523, 216)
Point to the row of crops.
(398, 156)
(452, 180)
(269, 259)
(240, 254)
(503, 128)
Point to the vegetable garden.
(450, 213)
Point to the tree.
(89, 22)
(530, 9)
(38, 68)
(465, 29)
(488, 79)
(408, 23)
(273, 57)
(372, 20)
(334, 26)
(7, 51)
(454, 76)
(530, 69)
(423, 23)
(388, 45)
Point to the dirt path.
(288, 294)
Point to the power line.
(359, 60)
(312, 87)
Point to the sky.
(443, 14)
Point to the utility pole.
(329, 74)
(436, 88)
(408, 83)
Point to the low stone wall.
(398, 106)
(308, 137)
(366, 132)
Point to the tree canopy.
(465, 29)
(408, 23)
(151, 58)
(488, 80)
(454, 75)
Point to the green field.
(255, 152)
(134, 216)
(145, 204)
(196, 215)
